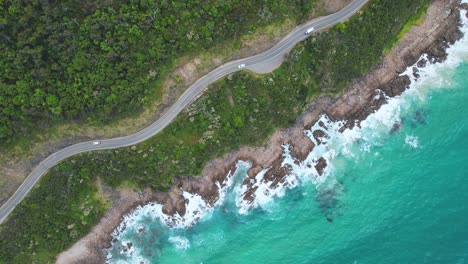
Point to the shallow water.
(397, 197)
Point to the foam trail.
(412, 141)
(180, 243)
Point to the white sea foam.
(431, 74)
(180, 243)
(413, 141)
(327, 146)
(196, 210)
(226, 186)
(264, 193)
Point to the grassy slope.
(211, 127)
(413, 21)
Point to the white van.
(310, 30)
(96, 142)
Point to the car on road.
(96, 142)
(241, 66)
(310, 30)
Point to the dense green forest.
(240, 109)
(94, 60)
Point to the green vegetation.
(412, 21)
(96, 60)
(238, 110)
(61, 209)
(346, 52)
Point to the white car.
(96, 142)
(310, 30)
(241, 66)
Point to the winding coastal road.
(267, 60)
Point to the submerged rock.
(395, 128)
(419, 117)
(416, 72)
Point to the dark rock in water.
(174, 202)
(249, 195)
(350, 124)
(396, 86)
(129, 245)
(437, 51)
(141, 229)
(168, 209)
(318, 135)
(273, 177)
(416, 73)
(277, 174)
(210, 193)
(246, 181)
(250, 180)
(418, 117)
(328, 201)
(300, 147)
(328, 204)
(395, 128)
(282, 173)
(321, 165)
(180, 207)
(422, 63)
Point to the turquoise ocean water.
(397, 197)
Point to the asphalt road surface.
(254, 63)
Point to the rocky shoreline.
(438, 31)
